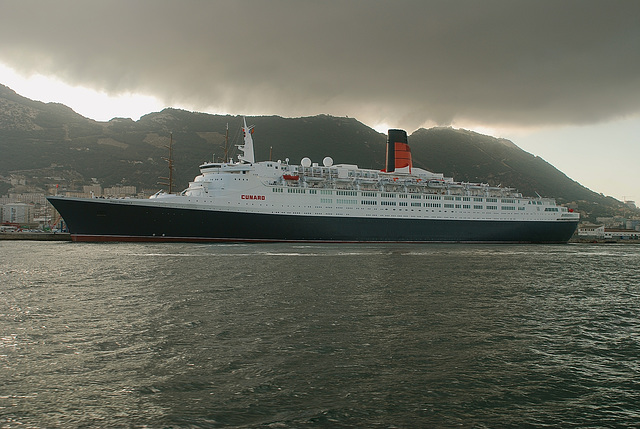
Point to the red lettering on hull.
(253, 197)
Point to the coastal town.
(612, 229)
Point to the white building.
(621, 234)
(28, 198)
(589, 230)
(17, 213)
(119, 191)
(95, 190)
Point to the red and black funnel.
(398, 152)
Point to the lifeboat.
(290, 177)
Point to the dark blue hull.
(99, 220)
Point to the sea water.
(289, 336)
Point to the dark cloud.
(504, 62)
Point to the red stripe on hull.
(81, 238)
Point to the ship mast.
(226, 145)
(169, 180)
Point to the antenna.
(169, 180)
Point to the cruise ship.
(274, 201)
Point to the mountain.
(44, 144)
(472, 157)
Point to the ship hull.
(105, 220)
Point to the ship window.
(477, 207)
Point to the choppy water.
(281, 335)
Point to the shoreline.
(36, 236)
(594, 240)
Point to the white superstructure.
(310, 189)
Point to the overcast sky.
(560, 78)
